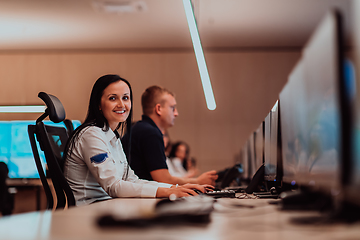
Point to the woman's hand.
(203, 188)
(178, 192)
(183, 190)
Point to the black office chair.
(69, 126)
(52, 141)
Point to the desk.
(34, 184)
(231, 219)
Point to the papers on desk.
(194, 209)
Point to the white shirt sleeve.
(132, 177)
(103, 155)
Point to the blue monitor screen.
(320, 167)
(15, 148)
(313, 115)
(293, 129)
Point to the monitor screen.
(267, 139)
(244, 160)
(292, 114)
(352, 193)
(15, 148)
(259, 145)
(352, 169)
(271, 160)
(251, 155)
(312, 112)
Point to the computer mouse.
(163, 202)
(273, 191)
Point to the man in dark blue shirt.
(147, 157)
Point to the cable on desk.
(245, 196)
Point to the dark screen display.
(259, 146)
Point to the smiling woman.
(95, 163)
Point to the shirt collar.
(110, 135)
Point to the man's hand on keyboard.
(207, 178)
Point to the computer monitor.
(292, 113)
(352, 182)
(259, 145)
(15, 148)
(267, 140)
(244, 160)
(271, 161)
(251, 155)
(314, 114)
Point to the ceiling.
(159, 24)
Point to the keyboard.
(221, 193)
(192, 205)
(193, 209)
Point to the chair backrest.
(52, 141)
(69, 126)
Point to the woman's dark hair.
(95, 116)
(175, 147)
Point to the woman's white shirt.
(96, 169)
(175, 167)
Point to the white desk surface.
(231, 219)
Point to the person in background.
(167, 146)
(190, 165)
(179, 158)
(6, 199)
(95, 164)
(146, 141)
(167, 143)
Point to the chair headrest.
(55, 109)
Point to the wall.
(246, 85)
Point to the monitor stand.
(347, 212)
(304, 200)
(327, 212)
(272, 193)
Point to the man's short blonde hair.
(151, 97)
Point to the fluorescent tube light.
(119, 7)
(204, 74)
(22, 109)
